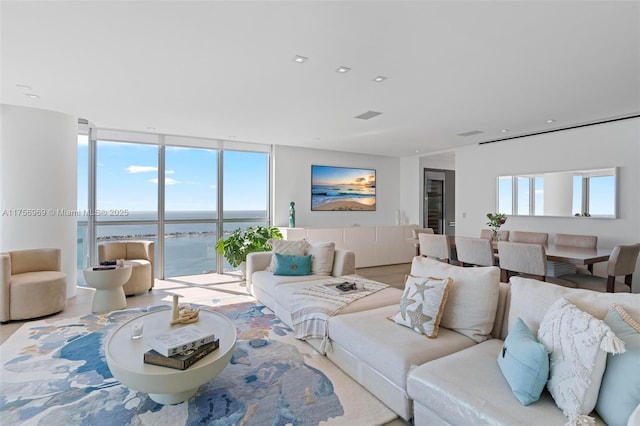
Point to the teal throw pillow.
(524, 363)
(288, 264)
(620, 389)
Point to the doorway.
(439, 201)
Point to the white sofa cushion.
(473, 298)
(467, 388)
(531, 298)
(387, 347)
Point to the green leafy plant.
(241, 242)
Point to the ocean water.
(324, 194)
(189, 247)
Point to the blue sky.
(127, 178)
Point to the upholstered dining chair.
(529, 237)
(32, 284)
(436, 246)
(474, 251)
(622, 262)
(487, 234)
(418, 231)
(523, 259)
(140, 255)
(579, 241)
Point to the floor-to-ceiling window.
(245, 191)
(190, 210)
(83, 204)
(141, 186)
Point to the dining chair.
(474, 251)
(487, 234)
(436, 246)
(579, 241)
(622, 262)
(522, 258)
(418, 231)
(529, 237)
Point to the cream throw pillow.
(322, 253)
(578, 344)
(286, 247)
(473, 299)
(422, 304)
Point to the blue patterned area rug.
(55, 373)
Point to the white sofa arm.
(258, 261)
(344, 263)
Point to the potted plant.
(238, 244)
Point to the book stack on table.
(180, 348)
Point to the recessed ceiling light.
(32, 96)
(343, 70)
(551, 120)
(316, 139)
(300, 59)
(24, 87)
(379, 79)
(504, 130)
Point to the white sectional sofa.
(453, 379)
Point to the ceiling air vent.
(367, 115)
(471, 133)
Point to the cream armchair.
(140, 255)
(32, 284)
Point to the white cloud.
(169, 172)
(167, 181)
(141, 169)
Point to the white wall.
(38, 170)
(292, 182)
(592, 147)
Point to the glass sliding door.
(190, 211)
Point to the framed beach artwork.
(342, 189)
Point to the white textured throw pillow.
(286, 247)
(578, 344)
(473, 298)
(322, 253)
(422, 304)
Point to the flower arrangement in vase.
(496, 220)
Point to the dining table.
(578, 256)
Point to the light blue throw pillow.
(524, 363)
(620, 389)
(292, 265)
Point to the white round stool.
(109, 295)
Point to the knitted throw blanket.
(313, 306)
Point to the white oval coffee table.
(163, 384)
(109, 295)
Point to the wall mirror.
(575, 193)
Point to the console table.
(373, 245)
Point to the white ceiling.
(225, 70)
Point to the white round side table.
(109, 295)
(125, 357)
